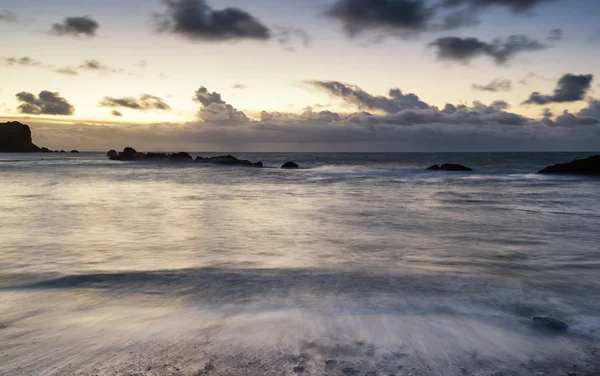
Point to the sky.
(311, 75)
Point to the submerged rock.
(298, 369)
(15, 137)
(112, 153)
(228, 160)
(449, 167)
(548, 323)
(290, 165)
(180, 157)
(331, 363)
(588, 166)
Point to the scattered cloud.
(95, 65)
(499, 84)
(500, 105)
(67, 71)
(463, 50)
(555, 35)
(46, 103)
(240, 87)
(517, 6)
(7, 16)
(394, 102)
(570, 88)
(145, 102)
(291, 37)
(216, 110)
(116, 113)
(23, 61)
(76, 26)
(400, 17)
(197, 21)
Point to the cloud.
(517, 6)
(7, 16)
(291, 37)
(499, 84)
(592, 110)
(463, 50)
(116, 113)
(555, 35)
(216, 110)
(239, 87)
(394, 102)
(145, 102)
(67, 71)
(47, 103)
(500, 105)
(76, 26)
(197, 21)
(392, 16)
(570, 88)
(24, 61)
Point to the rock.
(46, 150)
(112, 153)
(349, 371)
(331, 363)
(181, 157)
(548, 323)
(290, 165)
(588, 166)
(152, 156)
(449, 167)
(62, 151)
(128, 154)
(298, 369)
(228, 160)
(75, 151)
(15, 137)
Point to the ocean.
(355, 264)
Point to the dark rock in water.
(15, 137)
(331, 363)
(112, 153)
(290, 165)
(228, 160)
(588, 166)
(180, 157)
(128, 154)
(349, 371)
(46, 150)
(299, 369)
(548, 323)
(62, 151)
(75, 151)
(152, 156)
(449, 167)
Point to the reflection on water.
(158, 268)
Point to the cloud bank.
(46, 103)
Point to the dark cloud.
(25, 61)
(47, 103)
(464, 50)
(145, 102)
(197, 21)
(76, 26)
(7, 16)
(391, 16)
(516, 6)
(567, 119)
(116, 113)
(67, 71)
(555, 35)
(592, 110)
(570, 88)
(500, 105)
(393, 103)
(499, 84)
(216, 110)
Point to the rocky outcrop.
(449, 167)
(548, 323)
(15, 137)
(588, 166)
(128, 154)
(75, 151)
(290, 165)
(112, 153)
(180, 157)
(228, 160)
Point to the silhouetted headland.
(588, 166)
(449, 167)
(15, 137)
